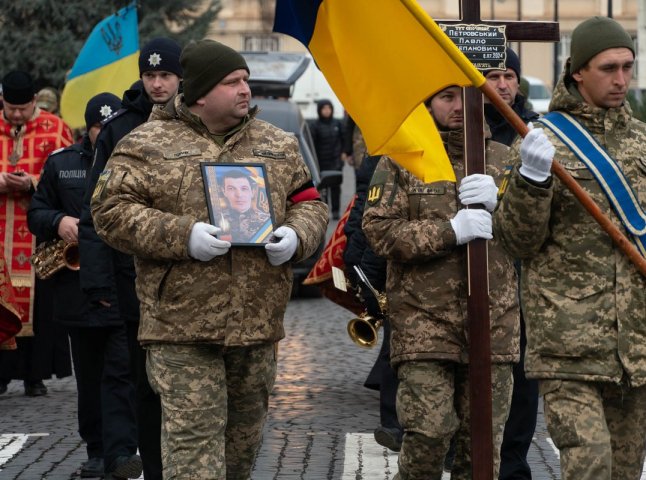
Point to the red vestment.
(25, 150)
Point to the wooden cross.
(478, 299)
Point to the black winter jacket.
(108, 274)
(501, 130)
(357, 250)
(60, 193)
(328, 134)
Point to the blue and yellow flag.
(108, 62)
(382, 64)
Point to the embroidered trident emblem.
(112, 36)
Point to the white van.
(539, 94)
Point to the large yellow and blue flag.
(382, 63)
(108, 62)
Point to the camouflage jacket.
(584, 303)
(150, 196)
(408, 223)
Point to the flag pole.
(515, 121)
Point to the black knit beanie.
(100, 107)
(595, 35)
(205, 63)
(512, 61)
(18, 88)
(161, 54)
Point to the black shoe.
(125, 467)
(3, 386)
(35, 389)
(391, 438)
(335, 216)
(92, 468)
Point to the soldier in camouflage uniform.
(583, 300)
(211, 314)
(422, 229)
(240, 219)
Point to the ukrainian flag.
(382, 63)
(108, 62)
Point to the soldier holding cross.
(584, 302)
(422, 230)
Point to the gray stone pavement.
(319, 427)
(320, 421)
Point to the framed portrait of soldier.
(239, 203)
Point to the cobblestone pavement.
(320, 421)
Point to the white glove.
(478, 188)
(282, 247)
(536, 154)
(202, 244)
(470, 224)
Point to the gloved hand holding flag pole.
(383, 59)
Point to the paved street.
(320, 422)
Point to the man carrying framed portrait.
(212, 296)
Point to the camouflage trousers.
(214, 405)
(598, 427)
(433, 406)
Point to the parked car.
(272, 77)
(539, 95)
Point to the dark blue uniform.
(382, 377)
(105, 394)
(108, 274)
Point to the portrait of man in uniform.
(239, 202)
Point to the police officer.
(211, 313)
(422, 230)
(108, 276)
(583, 301)
(54, 214)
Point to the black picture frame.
(239, 202)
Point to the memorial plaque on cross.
(474, 153)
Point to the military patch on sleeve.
(269, 154)
(505, 181)
(376, 188)
(100, 185)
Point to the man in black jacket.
(507, 85)
(327, 134)
(54, 214)
(108, 276)
(521, 423)
(382, 377)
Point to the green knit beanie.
(205, 63)
(595, 35)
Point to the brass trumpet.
(364, 329)
(50, 257)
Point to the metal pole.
(557, 69)
(520, 16)
(641, 44)
(610, 8)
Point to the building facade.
(247, 25)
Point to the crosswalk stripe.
(365, 458)
(12, 443)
